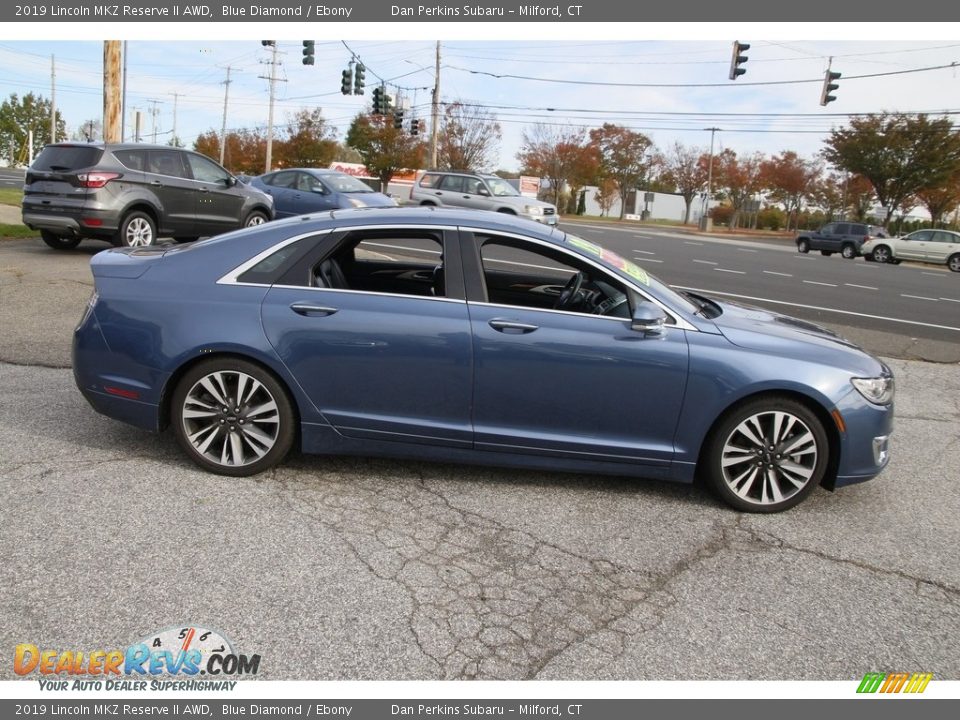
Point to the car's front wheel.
(803, 245)
(882, 254)
(137, 230)
(255, 218)
(232, 417)
(766, 456)
(58, 242)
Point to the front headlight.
(878, 390)
(533, 210)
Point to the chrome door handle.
(312, 310)
(512, 327)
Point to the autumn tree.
(899, 154)
(624, 157)
(606, 195)
(21, 116)
(245, 151)
(562, 155)
(789, 180)
(684, 170)
(310, 141)
(384, 149)
(737, 180)
(468, 138)
(941, 200)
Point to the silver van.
(479, 192)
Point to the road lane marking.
(691, 242)
(706, 262)
(803, 257)
(648, 260)
(935, 274)
(865, 287)
(950, 300)
(645, 252)
(746, 250)
(771, 272)
(919, 297)
(738, 272)
(814, 282)
(817, 307)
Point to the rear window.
(429, 180)
(70, 157)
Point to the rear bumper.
(72, 222)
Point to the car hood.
(764, 330)
(373, 199)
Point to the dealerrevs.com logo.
(909, 683)
(179, 658)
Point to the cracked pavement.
(356, 569)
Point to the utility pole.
(223, 125)
(154, 112)
(53, 100)
(435, 112)
(705, 222)
(273, 93)
(173, 137)
(123, 98)
(112, 112)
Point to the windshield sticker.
(612, 259)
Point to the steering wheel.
(570, 290)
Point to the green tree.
(789, 180)
(625, 156)
(383, 148)
(899, 154)
(18, 117)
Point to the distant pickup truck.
(845, 238)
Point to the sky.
(569, 77)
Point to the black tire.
(506, 211)
(848, 251)
(953, 262)
(58, 242)
(826, 253)
(206, 427)
(192, 238)
(803, 246)
(882, 254)
(257, 217)
(428, 203)
(791, 476)
(137, 230)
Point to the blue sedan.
(471, 337)
(297, 191)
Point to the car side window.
(133, 159)
(842, 229)
(282, 180)
(524, 274)
(429, 180)
(473, 186)
(308, 183)
(166, 162)
(922, 236)
(944, 237)
(206, 170)
(453, 183)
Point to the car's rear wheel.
(803, 245)
(882, 254)
(232, 417)
(953, 262)
(137, 230)
(58, 242)
(848, 251)
(257, 217)
(767, 455)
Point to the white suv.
(479, 192)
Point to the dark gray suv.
(131, 194)
(845, 238)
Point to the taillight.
(96, 179)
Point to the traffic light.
(416, 127)
(737, 60)
(828, 87)
(268, 43)
(308, 52)
(398, 119)
(381, 101)
(358, 79)
(347, 82)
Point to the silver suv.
(131, 194)
(479, 192)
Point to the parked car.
(479, 192)
(846, 238)
(130, 194)
(297, 191)
(932, 246)
(471, 337)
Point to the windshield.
(341, 182)
(636, 273)
(501, 188)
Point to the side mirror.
(483, 191)
(648, 318)
(230, 181)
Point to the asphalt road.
(350, 569)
